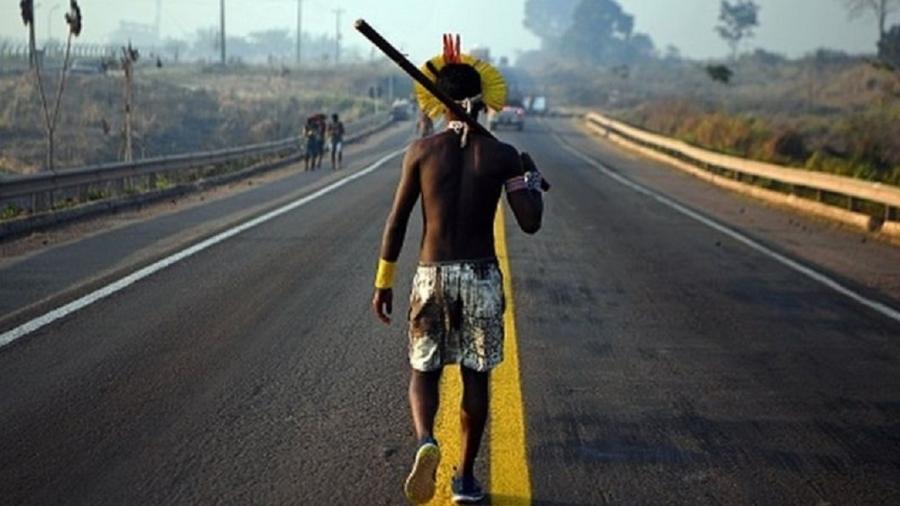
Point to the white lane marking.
(813, 274)
(101, 293)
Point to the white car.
(510, 116)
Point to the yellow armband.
(384, 279)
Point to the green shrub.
(10, 211)
(95, 194)
(894, 176)
(864, 145)
(824, 162)
(786, 146)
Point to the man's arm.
(408, 191)
(405, 198)
(527, 204)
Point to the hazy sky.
(787, 26)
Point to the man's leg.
(424, 397)
(473, 417)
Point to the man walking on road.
(457, 300)
(336, 138)
(312, 132)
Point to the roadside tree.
(51, 115)
(603, 34)
(889, 47)
(736, 22)
(549, 19)
(881, 9)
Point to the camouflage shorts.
(456, 316)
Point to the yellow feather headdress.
(493, 85)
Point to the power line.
(222, 29)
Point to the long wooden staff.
(391, 52)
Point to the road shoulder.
(46, 276)
(846, 252)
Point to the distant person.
(322, 126)
(311, 134)
(336, 138)
(457, 300)
(314, 132)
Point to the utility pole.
(299, 30)
(129, 57)
(158, 20)
(222, 29)
(337, 35)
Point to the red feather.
(452, 51)
(448, 51)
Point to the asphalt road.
(661, 361)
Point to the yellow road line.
(446, 431)
(510, 480)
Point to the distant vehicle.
(526, 103)
(401, 109)
(539, 106)
(510, 116)
(516, 102)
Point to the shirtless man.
(312, 136)
(457, 301)
(336, 139)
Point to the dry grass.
(177, 109)
(827, 112)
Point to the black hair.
(459, 80)
(334, 117)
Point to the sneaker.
(420, 484)
(466, 490)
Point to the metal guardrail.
(39, 189)
(854, 190)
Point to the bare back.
(460, 189)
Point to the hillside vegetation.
(828, 111)
(177, 109)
